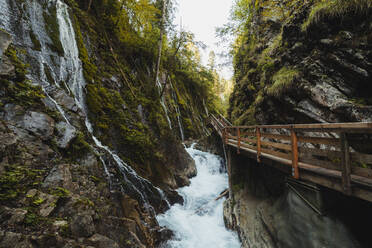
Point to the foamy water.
(198, 223)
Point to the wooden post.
(345, 162)
(295, 172)
(238, 131)
(229, 171)
(258, 134)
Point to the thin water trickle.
(135, 185)
(199, 222)
(162, 103)
(178, 112)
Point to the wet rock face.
(39, 124)
(82, 226)
(333, 58)
(266, 213)
(49, 163)
(101, 241)
(66, 133)
(59, 176)
(5, 40)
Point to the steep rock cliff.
(304, 62)
(86, 143)
(298, 62)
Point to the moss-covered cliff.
(303, 61)
(297, 62)
(88, 138)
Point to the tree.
(160, 46)
(212, 61)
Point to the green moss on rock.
(79, 146)
(17, 87)
(35, 41)
(17, 179)
(52, 28)
(282, 81)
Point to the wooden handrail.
(322, 127)
(322, 148)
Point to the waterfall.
(205, 108)
(198, 223)
(178, 112)
(162, 103)
(66, 69)
(135, 185)
(5, 14)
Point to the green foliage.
(108, 115)
(38, 201)
(79, 146)
(83, 201)
(60, 192)
(90, 69)
(31, 219)
(17, 179)
(361, 101)
(17, 88)
(237, 187)
(335, 9)
(282, 81)
(95, 179)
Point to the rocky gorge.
(298, 62)
(101, 103)
(89, 155)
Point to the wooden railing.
(334, 150)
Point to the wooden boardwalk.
(334, 155)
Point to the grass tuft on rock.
(335, 8)
(283, 81)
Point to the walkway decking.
(334, 155)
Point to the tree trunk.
(89, 5)
(162, 31)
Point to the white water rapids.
(198, 223)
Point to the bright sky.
(201, 17)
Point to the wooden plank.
(350, 125)
(319, 140)
(320, 170)
(367, 126)
(229, 170)
(320, 152)
(362, 181)
(321, 163)
(243, 134)
(277, 145)
(276, 136)
(294, 142)
(361, 157)
(363, 172)
(225, 136)
(225, 120)
(245, 147)
(336, 130)
(345, 163)
(238, 139)
(365, 194)
(248, 146)
(258, 133)
(249, 140)
(235, 142)
(278, 154)
(323, 127)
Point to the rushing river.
(198, 223)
